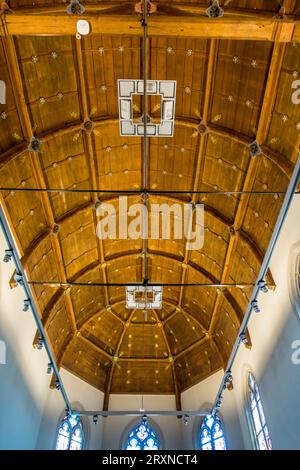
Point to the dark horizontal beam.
(145, 192)
(258, 27)
(138, 284)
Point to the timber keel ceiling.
(240, 88)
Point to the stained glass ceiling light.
(140, 297)
(165, 88)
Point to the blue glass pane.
(142, 437)
(256, 420)
(217, 431)
(209, 421)
(259, 426)
(219, 444)
(70, 434)
(211, 434)
(207, 446)
(77, 439)
(205, 436)
(251, 381)
(63, 437)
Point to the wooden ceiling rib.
(233, 74)
(260, 26)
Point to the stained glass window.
(70, 434)
(142, 437)
(211, 434)
(258, 420)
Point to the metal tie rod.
(136, 284)
(142, 192)
(141, 413)
(19, 268)
(263, 270)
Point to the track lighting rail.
(29, 303)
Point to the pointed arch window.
(211, 434)
(142, 437)
(258, 423)
(70, 434)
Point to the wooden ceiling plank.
(289, 6)
(262, 132)
(280, 160)
(110, 374)
(197, 343)
(244, 238)
(16, 80)
(102, 351)
(90, 158)
(174, 375)
(208, 91)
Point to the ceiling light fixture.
(164, 88)
(27, 305)
(255, 307)
(141, 297)
(263, 286)
(7, 256)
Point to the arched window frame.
(293, 276)
(67, 420)
(203, 425)
(134, 424)
(260, 435)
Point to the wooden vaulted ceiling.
(238, 82)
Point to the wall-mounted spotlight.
(19, 279)
(95, 419)
(144, 419)
(7, 256)
(218, 404)
(49, 368)
(26, 305)
(228, 382)
(244, 339)
(40, 344)
(186, 420)
(263, 286)
(228, 378)
(57, 384)
(255, 307)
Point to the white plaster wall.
(272, 333)
(23, 379)
(171, 427)
(82, 397)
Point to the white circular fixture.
(83, 27)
